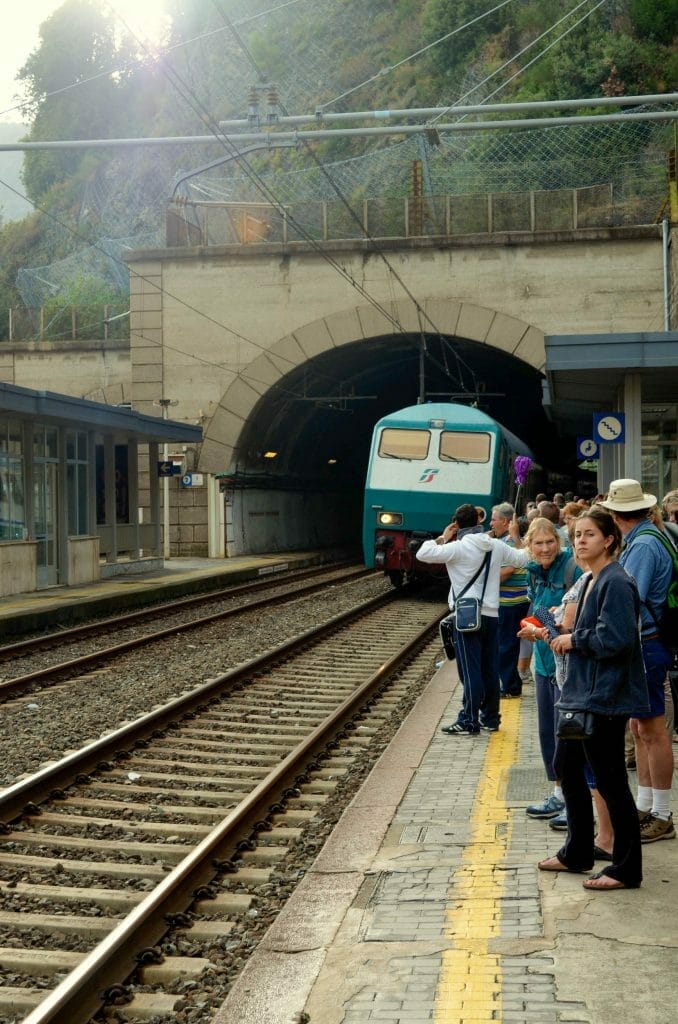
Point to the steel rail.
(83, 992)
(35, 643)
(11, 686)
(55, 777)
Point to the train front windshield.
(404, 444)
(453, 445)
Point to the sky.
(20, 28)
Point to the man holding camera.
(473, 560)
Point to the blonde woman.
(551, 572)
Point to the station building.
(73, 475)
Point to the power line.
(529, 46)
(127, 65)
(412, 56)
(421, 313)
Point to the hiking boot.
(643, 816)
(550, 808)
(654, 828)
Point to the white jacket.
(462, 558)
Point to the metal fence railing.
(64, 323)
(191, 222)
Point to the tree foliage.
(88, 79)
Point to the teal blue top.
(546, 588)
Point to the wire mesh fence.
(597, 206)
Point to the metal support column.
(633, 466)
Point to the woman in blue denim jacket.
(605, 675)
(550, 573)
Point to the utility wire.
(153, 55)
(520, 53)
(421, 312)
(412, 56)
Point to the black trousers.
(604, 751)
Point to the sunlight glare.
(147, 20)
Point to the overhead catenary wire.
(541, 53)
(422, 315)
(127, 65)
(413, 56)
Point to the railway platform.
(179, 577)
(426, 904)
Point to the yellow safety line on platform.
(469, 988)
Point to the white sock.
(558, 793)
(644, 799)
(660, 804)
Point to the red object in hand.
(530, 621)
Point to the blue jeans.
(509, 646)
(477, 662)
(547, 693)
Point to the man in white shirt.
(477, 652)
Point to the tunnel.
(302, 455)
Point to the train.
(424, 461)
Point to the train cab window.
(404, 444)
(463, 446)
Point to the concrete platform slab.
(439, 913)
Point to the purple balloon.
(521, 468)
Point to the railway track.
(75, 650)
(100, 851)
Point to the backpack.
(667, 628)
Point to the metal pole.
(219, 138)
(667, 272)
(165, 403)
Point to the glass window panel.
(16, 438)
(71, 445)
(51, 443)
(398, 443)
(71, 497)
(38, 442)
(465, 446)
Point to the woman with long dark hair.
(604, 676)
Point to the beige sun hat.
(627, 496)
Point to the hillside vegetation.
(316, 54)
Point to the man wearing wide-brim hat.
(646, 559)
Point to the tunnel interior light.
(270, 455)
(331, 462)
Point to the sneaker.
(456, 729)
(559, 823)
(654, 828)
(643, 816)
(489, 728)
(550, 808)
(526, 676)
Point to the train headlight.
(390, 519)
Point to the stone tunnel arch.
(289, 401)
(453, 319)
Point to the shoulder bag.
(467, 610)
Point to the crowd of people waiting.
(572, 597)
